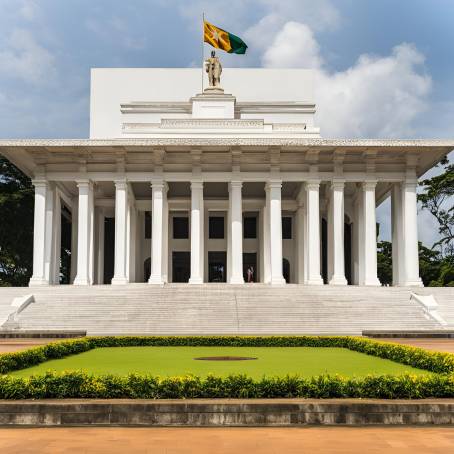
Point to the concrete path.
(442, 345)
(409, 440)
(15, 345)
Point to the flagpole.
(203, 36)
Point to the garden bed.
(364, 368)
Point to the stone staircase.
(226, 309)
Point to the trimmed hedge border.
(81, 385)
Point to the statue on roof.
(214, 69)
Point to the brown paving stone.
(441, 345)
(339, 440)
(15, 345)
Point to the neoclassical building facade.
(182, 184)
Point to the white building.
(175, 185)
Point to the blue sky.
(392, 61)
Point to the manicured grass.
(272, 361)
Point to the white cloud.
(376, 97)
(293, 46)
(28, 10)
(25, 59)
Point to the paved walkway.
(441, 345)
(343, 440)
(444, 345)
(14, 345)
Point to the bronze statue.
(214, 69)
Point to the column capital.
(159, 184)
(312, 184)
(369, 185)
(337, 184)
(273, 184)
(120, 184)
(410, 183)
(236, 184)
(40, 183)
(84, 183)
(196, 184)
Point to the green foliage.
(16, 225)
(81, 385)
(437, 198)
(385, 262)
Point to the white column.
(157, 209)
(56, 239)
(312, 243)
(368, 236)
(196, 233)
(165, 235)
(74, 223)
(132, 236)
(275, 223)
(410, 234)
(85, 234)
(49, 243)
(397, 234)
(236, 224)
(39, 233)
(100, 250)
(266, 239)
(121, 233)
(300, 222)
(336, 234)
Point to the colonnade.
(307, 239)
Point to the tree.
(437, 197)
(16, 225)
(385, 262)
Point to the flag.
(220, 39)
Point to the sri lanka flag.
(220, 39)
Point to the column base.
(81, 281)
(415, 283)
(372, 283)
(338, 280)
(195, 280)
(277, 281)
(119, 281)
(156, 280)
(37, 282)
(236, 280)
(315, 281)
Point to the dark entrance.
(217, 266)
(324, 251)
(250, 260)
(181, 266)
(286, 270)
(109, 248)
(348, 252)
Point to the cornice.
(233, 141)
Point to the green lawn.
(272, 361)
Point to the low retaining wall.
(226, 412)
(413, 334)
(41, 334)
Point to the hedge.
(442, 363)
(81, 385)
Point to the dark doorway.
(109, 249)
(286, 270)
(181, 266)
(65, 246)
(250, 261)
(348, 252)
(324, 251)
(217, 266)
(147, 269)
